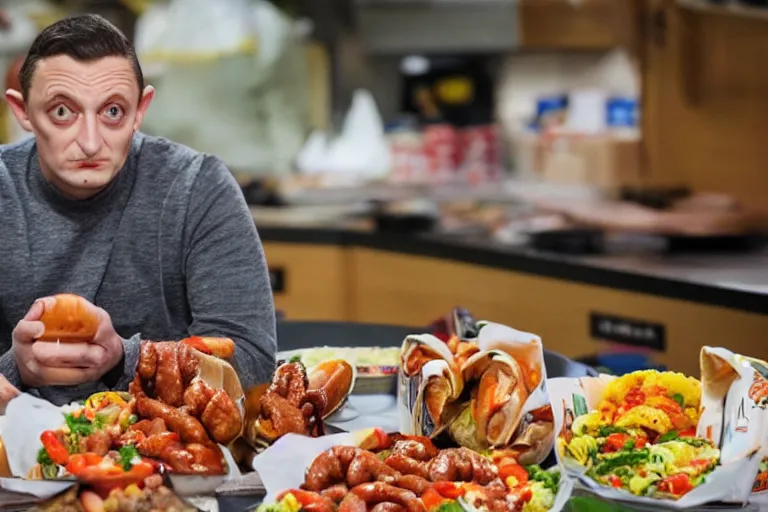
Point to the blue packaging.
(622, 112)
(550, 110)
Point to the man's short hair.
(84, 37)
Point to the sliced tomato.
(449, 490)
(432, 499)
(515, 470)
(55, 448)
(615, 442)
(688, 432)
(615, 481)
(676, 485)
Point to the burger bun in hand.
(68, 319)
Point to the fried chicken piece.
(290, 382)
(156, 445)
(280, 417)
(98, 442)
(197, 396)
(168, 384)
(132, 437)
(189, 428)
(461, 465)
(189, 365)
(222, 418)
(147, 367)
(195, 459)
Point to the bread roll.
(69, 320)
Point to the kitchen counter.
(737, 281)
(670, 305)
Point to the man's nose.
(89, 139)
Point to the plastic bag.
(230, 79)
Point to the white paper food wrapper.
(749, 388)
(525, 348)
(282, 465)
(22, 442)
(723, 411)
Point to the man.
(156, 235)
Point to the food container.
(727, 418)
(22, 440)
(456, 395)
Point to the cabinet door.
(705, 99)
(578, 25)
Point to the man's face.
(83, 115)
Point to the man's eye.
(113, 112)
(61, 113)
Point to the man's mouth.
(89, 165)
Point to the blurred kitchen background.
(377, 140)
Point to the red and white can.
(482, 154)
(408, 160)
(442, 146)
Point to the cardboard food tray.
(523, 349)
(22, 441)
(282, 466)
(724, 384)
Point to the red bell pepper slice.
(515, 470)
(55, 448)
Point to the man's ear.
(19, 107)
(146, 99)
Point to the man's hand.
(43, 363)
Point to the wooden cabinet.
(343, 283)
(705, 97)
(578, 25)
(312, 280)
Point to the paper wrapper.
(219, 374)
(530, 430)
(725, 419)
(748, 380)
(22, 438)
(282, 465)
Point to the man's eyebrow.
(116, 96)
(56, 97)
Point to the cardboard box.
(607, 162)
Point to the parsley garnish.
(43, 457)
(79, 425)
(127, 454)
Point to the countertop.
(730, 280)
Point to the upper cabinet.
(705, 97)
(578, 24)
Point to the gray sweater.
(169, 249)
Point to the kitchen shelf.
(743, 11)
